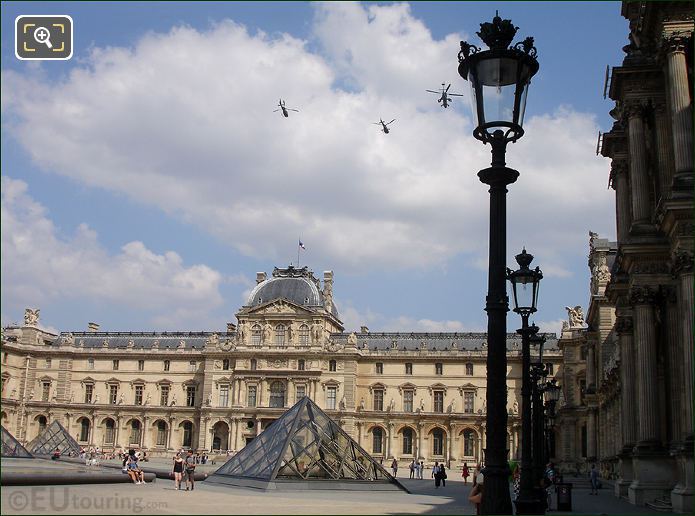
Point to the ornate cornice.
(642, 295)
(623, 325)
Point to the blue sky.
(146, 180)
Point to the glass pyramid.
(11, 446)
(54, 436)
(304, 446)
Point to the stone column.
(449, 444)
(683, 269)
(681, 111)
(590, 367)
(118, 431)
(143, 435)
(619, 182)
(170, 429)
(419, 441)
(674, 360)
(663, 147)
(358, 425)
(261, 392)
(591, 434)
(623, 327)
(639, 180)
(389, 442)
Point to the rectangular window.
(167, 364)
(225, 364)
(113, 394)
(190, 396)
(468, 400)
(161, 434)
(582, 391)
(300, 392)
(549, 367)
(407, 401)
(45, 391)
(90, 363)
(469, 369)
(48, 363)
(251, 396)
(438, 368)
(439, 401)
(224, 395)
(378, 399)
(138, 394)
(301, 365)
(408, 368)
(379, 368)
(115, 365)
(141, 365)
(330, 398)
(191, 366)
(164, 395)
(88, 391)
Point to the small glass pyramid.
(11, 446)
(55, 436)
(304, 446)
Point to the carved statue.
(290, 333)
(352, 339)
(451, 407)
(565, 325)
(267, 333)
(391, 405)
(208, 400)
(576, 316)
(148, 398)
(361, 403)
(214, 339)
(173, 400)
(31, 317)
(96, 398)
(341, 405)
(422, 404)
(515, 407)
(317, 332)
(69, 339)
(182, 344)
(121, 399)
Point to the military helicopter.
(445, 95)
(284, 109)
(383, 125)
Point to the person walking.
(190, 470)
(476, 496)
(465, 473)
(593, 476)
(549, 479)
(422, 470)
(178, 471)
(412, 468)
(394, 467)
(477, 473)
(435, 475)
(442, 474)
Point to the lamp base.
(529, 504)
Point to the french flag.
(302, 245)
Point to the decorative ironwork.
(498, 34)
(527, 47)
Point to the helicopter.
(445, 98)
(383, 125)
(284, 109)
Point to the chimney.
(231, 327)
(328, 290)
(93, 327)
(260, 277)
(364, 329)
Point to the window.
(377, 439)
(438, 368)
(468, 443)
(84, 430)
(468, 401)
(167, 365)
(225, 364)
(408, 368)
(138, 394)
(280, 335)
(190, 396)
(277, 395)
(332, 365)
(549, 368)
(187, 434)
(191, 366)
(161, 433)
(299, 392)
(110, 432)
(303, 335)
(45, 391)
(224, 395)
(407, 441)
(42, 423)
(330, 397)
(48, 363)
(379, 368)
(88, 391)
(378, 399)
(438, 401)
(437, 442)
(407, 401)
(164, 395)
(90, 363)
(469, 369)
(113, 394)
(135, 432)
(115, 365)
(141, 365)
(254, 364)
(301, 364)
(256, 335)
(251, 396)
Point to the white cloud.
(183, 121)
(39, 267)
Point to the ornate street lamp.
(525, 282)
(499, 80)
(538, 374)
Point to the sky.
(146, 180)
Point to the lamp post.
(552, 395)
(499, 80)
(525, 283)
(538, 372)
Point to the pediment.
(278, 306)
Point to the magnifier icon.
(42, 35)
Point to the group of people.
(184, 469)
(131, 466)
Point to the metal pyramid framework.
(304, 449)
(11, 447)
(54, 436)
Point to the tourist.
(476, 496)
(56, 454)
(178, 471)
(394, 468)
(476, 474)
(593, 476)
(442, 474)
(421, 470)
(412, 468)
(134, 471)
(549, 479)
(516, 480)
(190, 470)
(435, 475)
(465, 473)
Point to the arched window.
(377, 439)
(135, 432)
(254, 364)
(280, 335)
(407, 441)
(42, 423)
(469, 443)
(161, 433)
(303, 335)
(109, 431)
(469, 369)
(332, 365)
(277, 395)
(187, 434)
(84, 430)
(437, 442)
(256, 335)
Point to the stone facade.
(402, 395)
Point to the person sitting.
(56, 454)
(134, 471)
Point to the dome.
(298, 286)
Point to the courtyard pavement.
(160, 497)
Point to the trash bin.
(564, 496)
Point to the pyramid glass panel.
(55, 436)
(11, 447)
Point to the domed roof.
(298, 286)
